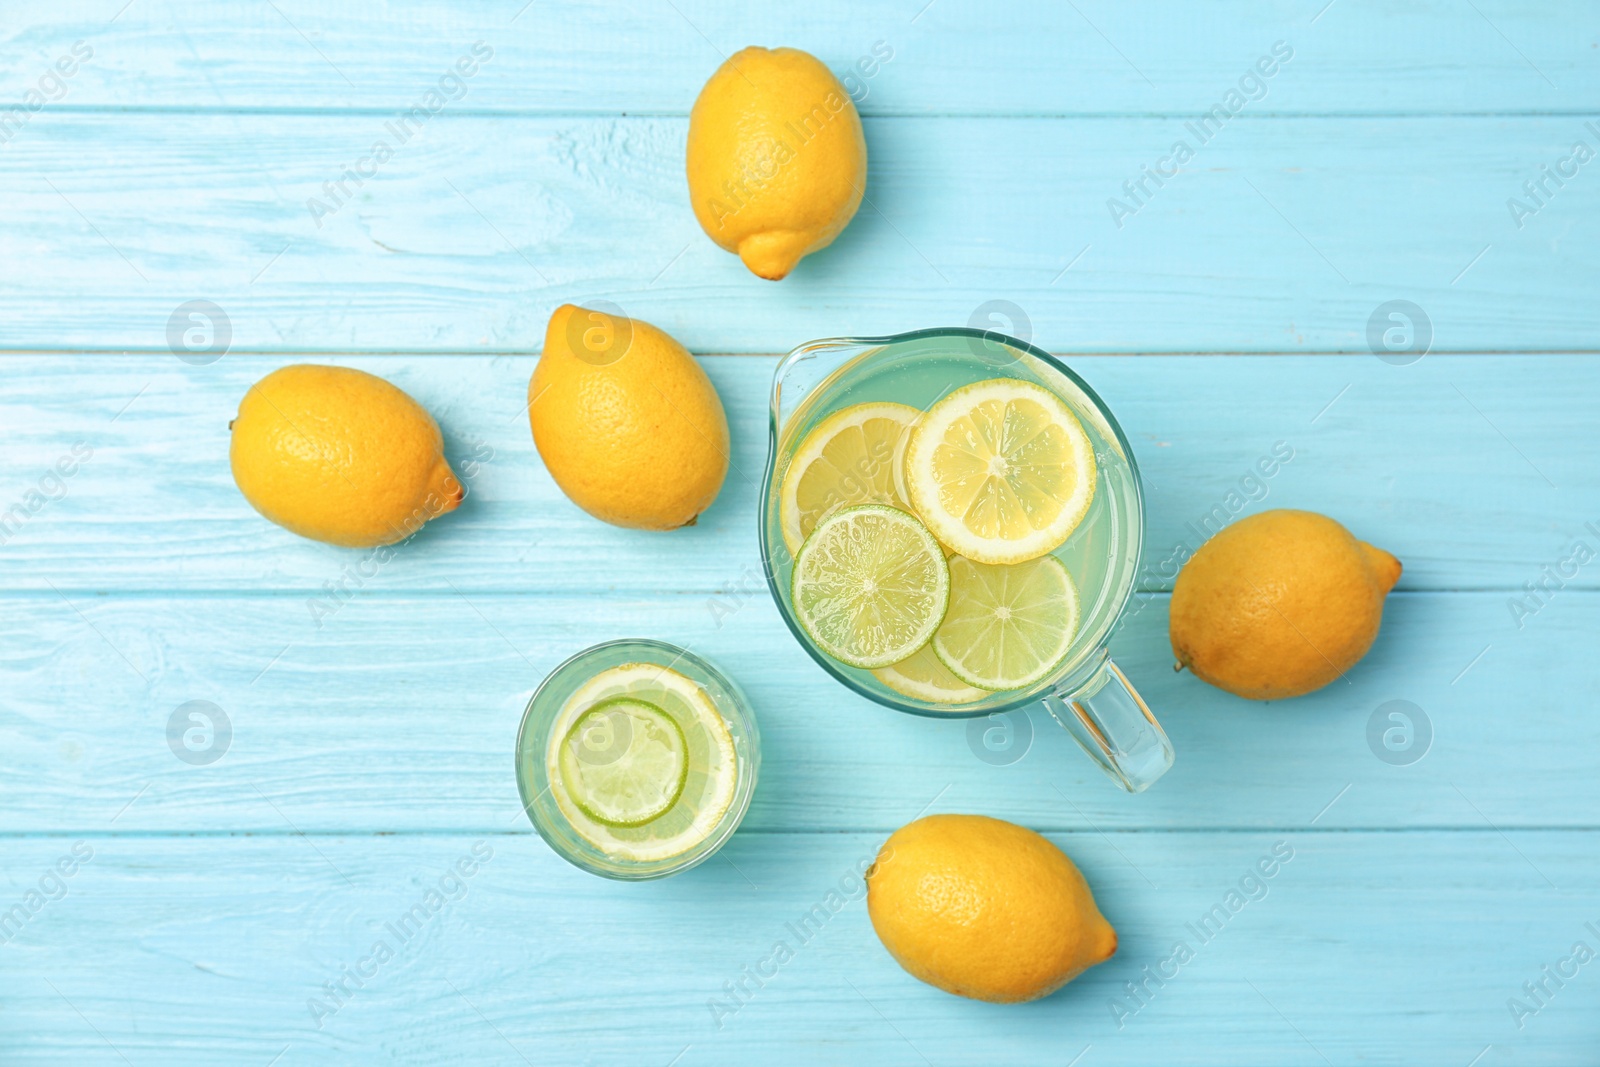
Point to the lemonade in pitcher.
(952, 525)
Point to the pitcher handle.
(1112, 723)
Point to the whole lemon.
(339, 455)
(627, 423)
(1279, 604)
(985, 909)
(777, 162)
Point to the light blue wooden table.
(226, 912)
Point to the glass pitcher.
(1085, 692)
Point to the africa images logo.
(1539, 191)
(451, 86)
(1251, 87)
(51, 87)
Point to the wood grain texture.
(949, 57)
(372, 752)
(1366, 948)
(1280, 235)
(1477, 472)
(400, 714)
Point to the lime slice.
(1000, 470)
(923, 677)
(624, 762)
(870, 585)
(711, 767)
(848, 458)
(1008, 626)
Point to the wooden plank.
(401, 714)
(1279, 235)
(371, 753)
(952, 57)
(1362, 947)
(1475, 471)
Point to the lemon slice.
(711, 768)
(848, 458)
(624, 762)
(870, 585)
(923, 677)
(1000, 470)
(1008, 625)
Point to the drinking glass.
(544, 711)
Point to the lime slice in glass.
(1008, 625)
(710, 771)
(624, 762)
(870, 585)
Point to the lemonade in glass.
(637, 759)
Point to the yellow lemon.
(777, 164)
(985, 909)
(627, 423)
(340, 455)
(1279, 604)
